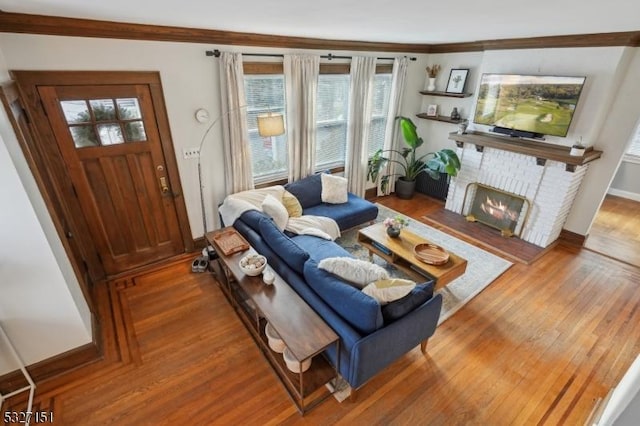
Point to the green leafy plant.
(411, 165)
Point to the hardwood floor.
(616, 230)
(538, 346)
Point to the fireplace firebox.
(496, 208)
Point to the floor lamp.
(269, 124)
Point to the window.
(381, 94)
(265, 91)
(332, 110)
(103, 122)
(633, 153)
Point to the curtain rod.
(216, 53)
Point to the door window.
(104, 122)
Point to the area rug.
(482, 267)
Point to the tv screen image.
(541, 105)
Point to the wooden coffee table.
(399, 252)
(303, 331)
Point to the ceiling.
(399, 21)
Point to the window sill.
(630, 158)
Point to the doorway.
(615, 231)
(103, 140)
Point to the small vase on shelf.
(432, 84)
(393, 232)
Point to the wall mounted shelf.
(540, 150)
(442, 118)
(445, 94)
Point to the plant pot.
(405, 188)
(393, 232)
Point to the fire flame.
(498, 210)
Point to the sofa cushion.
(292, 204)
(352, 213)
(355, 271)
(358, 309)
(274, 208)
(334, 189)
(319, 248)
(389, 290)
(307, 190)
(292, 254)
(399, 308)
(252, 218)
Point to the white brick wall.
(550, 188)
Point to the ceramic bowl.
(293, 364)
(253, 264)
(275, 342)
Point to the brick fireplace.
(544, 174)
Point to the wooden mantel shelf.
(541, 150)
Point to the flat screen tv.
(527, 105)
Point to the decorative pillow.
(385, 291)
(334, 189)
(307, 190)
(292, 204)
(355, 271)
(399, 308)
(287, 249)
(274, 208)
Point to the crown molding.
(74, 27)
(54, 25)
(629, 38)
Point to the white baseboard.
(624, 194)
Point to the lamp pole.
(204, 137)
(270, 124)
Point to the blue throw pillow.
(283, 246)
(399, 308)
(308, 190)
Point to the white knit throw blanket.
(236, 204)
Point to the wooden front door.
(109, 140)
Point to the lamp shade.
(270, 124)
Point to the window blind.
(264, 93)
(634, 148)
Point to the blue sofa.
(371, 336)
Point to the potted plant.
(411, 165)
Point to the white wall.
(607, 111)
(626, 182)
(190, 81)
(37, 309)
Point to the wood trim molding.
(572, 238)
(55, 25)
(51, 367)
(629, 38)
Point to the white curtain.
(363, 70)
(392, 137)
(301, 86)
(235, 136)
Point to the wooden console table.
(300, 327)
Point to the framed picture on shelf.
(432, 110)
(457, 80)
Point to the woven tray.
(230, 242)
(431, 254)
